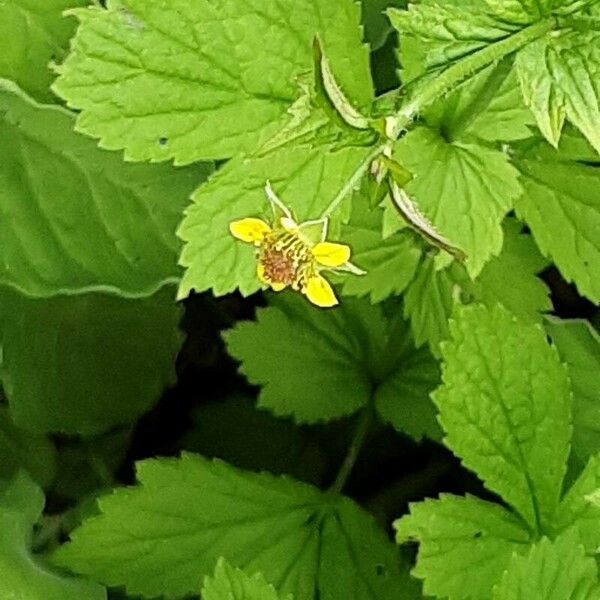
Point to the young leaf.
(21, 503)
(505, 393)
(193, 80)
(553, 570)
(110, 358)
(163, 536)
(560, 80)
(229, 583)
(464, 544)
(390, 263)
(75, 218)
(31, 35)
(20, 449)
(561, 205)
(578, 345)
(307, 178)
(465, 191)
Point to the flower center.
(285, 259)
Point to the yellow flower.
(294, 254)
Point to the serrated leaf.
(578, 345)
(376, 23)
(504, 394)
(553, 570)
(464, 189)
(195, 80)
(164, 535)
(433, 34)
(20, 449)
(77, 219)
(229, 583)
(390, 263)
(314, 365)
(306, 178)
(578, 510)
(465, 545)
(560, 79)
(23, 577)
(561, 205)
(31, 35)
(107, 359)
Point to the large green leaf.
(32, 34)
(194, 80)
(464, 189)
(83, 364)
(505, 393)
(23, 577)
(561, 205)
(75, 218)
(465, 545)
(560, 79)
(163, 536)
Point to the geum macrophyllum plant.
(291, 254)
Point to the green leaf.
(192, 80)
(20, 449)
(229, 583)
(562, 207)
(464, 189)
(312, 364)
(578, 345)
(107, 359)
(505, 393)
(465, 545)
(577, 508)
(164, 535)
(306, 178)
(376, 23)
(560, 79)
(508, 279)
(31, 35)
(78, 219)
(21, 504)
(433, 34)
(390, 263)
(553, 570)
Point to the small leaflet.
(419, 222)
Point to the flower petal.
(330, 254)
(319, 292)
(249, 230)
(278, 286)
(260, 273)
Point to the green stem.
(360, 434)
(428, 92)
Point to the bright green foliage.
(320, 365)
(464, 189)
(23, 577)
(32, 34)
(578, 345)
(22, 450)
(508, 279)
(465, 544)
(525, 11)
(111, 358)
(553, 570)
(560, 79)
(164, 535)
(497, 418)
(306, 178)
(435, 33)
(229, 583)
(561, 205)
(390, 263)
(376, 23)
(76, 218)
(197, 80)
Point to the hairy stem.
(360, 434)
